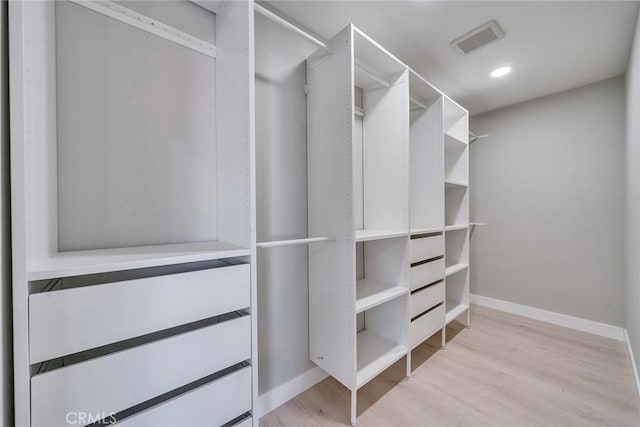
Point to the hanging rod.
(281, 21)
(373, 76)
(474, 137)
(418, 103)
(279, 243)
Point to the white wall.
(281, 146)
(549, 181)
(632, 296)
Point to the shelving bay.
(359, 284)
(456, 183)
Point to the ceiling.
(550, 45)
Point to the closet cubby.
(456, 249)
(381, 272)
(383, 341)
(133, 193)
(457, 294)
(456, 206)
(456, 162)
(456, 123)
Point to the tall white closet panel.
(133, 218)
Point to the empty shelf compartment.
(370, 293)
(375, 354)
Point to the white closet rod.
(373, 76)
(281, 21)
(418, 103)
(278, 243)
(475, 137)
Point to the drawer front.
(426, 248)
(426, 325)
(426, 298)
(65, 322)
(427, 273)
(212, 404)
(120, 380)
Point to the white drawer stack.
(184, 338)
(427, 286)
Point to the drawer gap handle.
(427, 286)
(427, 312)
(415, 264)
(92, 353)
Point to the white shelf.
(427, 230)
(455, 312)
(455, 184)
(78, 263)
(366, 235)
(456, 227)
(375, 354)
(370, 293)
(451, 141)
(477, 223)
(455, 268)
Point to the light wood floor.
(504, 371)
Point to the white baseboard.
(280, 395)
(632, 359)
(584, 325)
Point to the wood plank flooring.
(505, 371)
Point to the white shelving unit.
(122, 202)
(456, 183)
(150, 213)
(358, 114)
(400, 145)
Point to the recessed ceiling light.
(502, 71)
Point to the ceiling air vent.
(478, 37)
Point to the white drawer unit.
(426, 298)
(213, 404)
(120, 380)
(426, 273)
(426, 325)
(65, 322)
(424, 248)
(134, 237)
